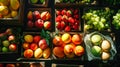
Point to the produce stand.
(73, 22)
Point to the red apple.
(69, 13)
(36, 14)
(30, 24)
(47, 25)
(58, 25)
(45, 15)
(71, 20)
(36, 38)
(65, 18)
(58, 12)
(11, 37)
(33, 46)
(67, 28)
(30, 15)
(39, 23)
(43, 44)
(12, 47)
(63, 12)
(10, 65)
(62, 25)
(25, 45)
(58, 18)
(28, 53)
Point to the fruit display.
(116, 21)
(98, 19)
(9, 40)
(9, 9)
(110, 2)
(36, 45)
(67, 20)
(39, 18)
(81, 2)
(41, 3)
(99, 46)
(68, 45)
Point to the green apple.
(33, 1)
(4, 49)
(42, 1)
(96, 51)
(6, 43)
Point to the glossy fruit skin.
(39, 23)
(4, 49)
(36, 15)
(36, 38)
(28, 38)
(25, 45)
(45, 15)
(46, 53)
(43, 44)
(28, 53)
(77, 39)
(58, 52)
(57, 41)
(11, 37)
(33, 46)
(12, 47)
(38, 53)
(67, 28)
(66, 38)
(79, 50)
(47, 25)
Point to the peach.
(66, 38)
(57, 41)
(77, 39)
(58, 52)
(79, 50)
(28, 53)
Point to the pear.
(14, 4)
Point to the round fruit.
(58, 52)
(38, 53)
(43, 44)
(105, 56)
(79, 50)
(105, 45)
(77, 39)
(69, 49)
(12, 47)
(10, 65)
(46, 53)
(11, 37)
(96, 51)
(70, 55)
(36, 38)
(4, 49)
(66, 38)
(57, 41)
(6, 43)
(28, 53)
(28, 38)
(14, 13)
(96, 39)
(33, 46)
(25, 45)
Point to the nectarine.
(58, 52)
(79, 50)
(28, 53)
(66, 38)
(77, 39)
(57, 41)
